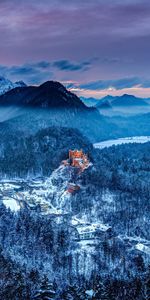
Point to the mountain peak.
(52, 84)
(7, 85)
(20, 83)
(128, 95)
(108, 97)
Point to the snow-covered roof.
(83, 226)
(143, 248)
(92, 228)
(75, 221)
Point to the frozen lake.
(135, 139)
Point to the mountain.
(108, 98)
(128, 100)
(51, 104)
(122, 101)
(7, 85)
(89, 101)
(105, 104)
(50, 94)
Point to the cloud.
(66, 65)
(41, 64)
(31, 73)
(37, 72)
(30, 68)
(119, 84)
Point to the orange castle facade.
(75, 154)
(78, 159)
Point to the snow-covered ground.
(11, 203)
(127, 140)
(143, 248)
(49, 193)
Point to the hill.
(39, 153)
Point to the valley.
(73, 208)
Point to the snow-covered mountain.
(7, 85)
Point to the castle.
(78, 159)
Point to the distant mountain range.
(109, 102)
(7, 85)
(124, 101)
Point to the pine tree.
(46, 292)
(99, 289)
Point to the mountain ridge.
(124, 100)
(7, 85)
(90, 102)
(49, 94)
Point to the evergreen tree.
(46, 291)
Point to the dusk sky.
(94, 47)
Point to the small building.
(87, 231)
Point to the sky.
(94, 47)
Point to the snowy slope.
(128, 140)
(50, 193)
(7, 85)
(11, 203)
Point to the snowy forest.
(39, 256)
